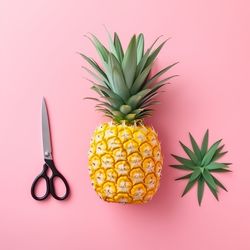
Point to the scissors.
(49, 163)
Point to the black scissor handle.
(42, 175)
(57, 174)
(52, 187)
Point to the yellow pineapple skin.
(125, 162)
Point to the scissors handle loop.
(41, 176)
(57, 174)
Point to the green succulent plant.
(202, 162)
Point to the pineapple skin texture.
(125, 162)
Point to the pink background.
(39, 41)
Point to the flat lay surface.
(39, 45)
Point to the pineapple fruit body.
(125, 162)
(125, 159)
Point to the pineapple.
(125, 159)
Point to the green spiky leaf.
(95, 66)
(129, 62)
(183, 177)
(97, 78)
(213, 191)
(195, 175)
(142, 63)
(112, 45)
(200, 190)
(218, 183)
(209, 179)
(120, 87)
(184, 161)
(195, 147)
(189, 185)
(155, 53)
(183, 167)
(216, 165)
(118, 47)
(204, 144)
(209, 155)
(138, 83)
(157, 75)
(140, 47)
(221, 170)
(101, 49)
(190, 153)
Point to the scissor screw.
(47, 154)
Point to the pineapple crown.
(202, 162)
(126, 89)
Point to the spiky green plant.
(202, 162)
(123, 81)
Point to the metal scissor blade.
(47, 149)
